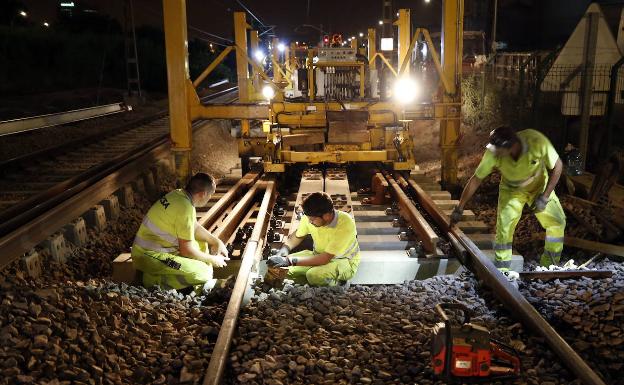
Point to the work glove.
(279, 261)
(456, 215)
(282, 252)
(540, 204)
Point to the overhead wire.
(196, 29)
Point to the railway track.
(292, 334)
(44, 191)
(368, 334)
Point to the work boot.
(344, 284)
(208, 286)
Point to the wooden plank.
(446, 204)
(470, 227)
(439, 195)
(483, 241)
(584, 244)
(616, 193)
(562, 274)
(430, 186)
(468, 215)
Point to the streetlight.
(361, 34)
(380, 22)
(23, 13)
(46, 24)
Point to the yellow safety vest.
(538, 155)
(339, 237)
(171, 218)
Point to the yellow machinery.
(322, 104)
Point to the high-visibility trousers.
(330, 274)
(552, 219)
(156, 271)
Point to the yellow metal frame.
(178, 79)
(371, 61)
(185, 105)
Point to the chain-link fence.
(526, 90)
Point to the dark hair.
(200, 182)
(503, 136)
(317, 204)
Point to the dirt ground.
(214, 149)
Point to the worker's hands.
(217, 260)
(282, 252)
(456, 215)
(221, 249)
(540, 203)
(279, 261)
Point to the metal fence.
(532, 92)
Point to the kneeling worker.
(530, 169)
(336, 253)
(171, 248)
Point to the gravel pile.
(97, 332)
(589, 314)
(367, 335)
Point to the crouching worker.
(336, 254)
(171, 248)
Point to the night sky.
(524, 24)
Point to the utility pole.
(494, 20)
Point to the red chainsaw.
(467, 353)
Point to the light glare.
(259, 55)
(405, 90)
(268, 92)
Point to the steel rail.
(14, 126)
(251, 256)
(25, 237)
(21, 213)
(231, 222)
(419, 224)
(209, 217)
(56, 150)
(509, 295)
(51, 215)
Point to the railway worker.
(336, 253)
(530, 169)
(171, 248)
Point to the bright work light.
(405, 90)
(281, 47)
(268, 92)
(259, 55)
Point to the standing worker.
(171, 248)
(336, 253)
(530, 169)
